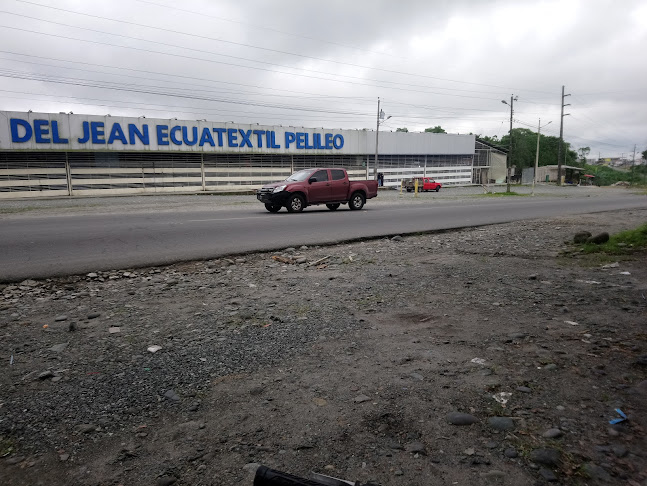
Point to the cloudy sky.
(324, 64)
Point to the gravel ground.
(480, 356)
(175, 202)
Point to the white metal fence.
(44, 174)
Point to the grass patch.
(7, 446)
(17, 210)
(26, 209)
(592, 260)
(622, 243)
(301, 310)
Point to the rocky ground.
(480, 356)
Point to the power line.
(187, 96)
(417, 105)
(230, 56)
(434, 108)
(149, 89)
(335, 80)
(136, 89)
(157, 73)
(238, 44)
(597, 142)
(202, 110)
(246, 93)
(167, 108)
(605, 126)
(203, 14)
(275, 117)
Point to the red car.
(316, 186)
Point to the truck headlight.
(279, 188)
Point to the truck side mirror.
(311, 180)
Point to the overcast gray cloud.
(316, 64)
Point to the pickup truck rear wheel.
(356, 201)
(295, 203)
(438, 189)
(332, 207)
(272, 208)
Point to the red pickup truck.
(316, 186)
(424, 184)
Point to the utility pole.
(633, 164)
(561, 139)
(377, 138)
(534, 177)
(513, 98)
(380, 116)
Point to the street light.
(534, 175)
(380, 115)
(513, 98)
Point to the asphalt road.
(54, 245)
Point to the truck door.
(319, 190)
(339, 185)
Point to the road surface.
(54, 245)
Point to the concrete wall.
(544, 171)
(497, 167)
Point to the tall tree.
(403, 129)
(486, 138)
(436, 129)
(583, 152)
(524, 148)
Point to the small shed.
(548, 173)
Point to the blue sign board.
(100, 134)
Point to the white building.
(45, 154)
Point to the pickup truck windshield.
(300, 176)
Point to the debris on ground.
(446, 359)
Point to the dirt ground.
(347, 360)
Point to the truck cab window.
(320, 175)
(337, 175)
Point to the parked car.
(316, 186)
(424, 184)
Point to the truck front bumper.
(274, 198)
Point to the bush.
(605, 176)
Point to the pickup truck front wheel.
(356, 201)
(295, 204)
(437, 188)
(332, 207)
(272, 208)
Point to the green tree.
(436, 129)
(644, 154)
(403, 129)
(583, 152)
(486, 138)
(524, 148)
(493, 141)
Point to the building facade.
(46, 154)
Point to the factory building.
(47, 154)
